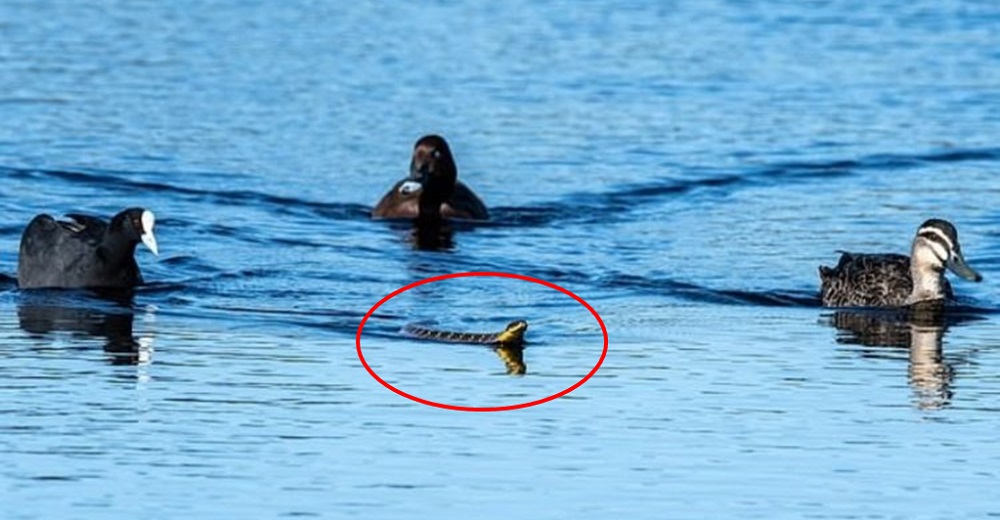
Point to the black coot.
(84, 252)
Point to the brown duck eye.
(436, 154)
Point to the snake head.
(514, 333)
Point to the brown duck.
(432, 190)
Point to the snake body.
(513, 334)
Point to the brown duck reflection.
(918, 328)
(42, 317)
(432, 236)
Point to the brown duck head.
(433, 172)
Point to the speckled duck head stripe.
(941, 238)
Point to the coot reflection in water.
(44, 314)
(920, 329)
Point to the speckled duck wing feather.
(865, 280)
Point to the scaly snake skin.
(512, 334)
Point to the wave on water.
(194, 275)
(125, 181)
(575, 208)
(696, 293)
(613, 205)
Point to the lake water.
(683, 167)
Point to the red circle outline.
(528, 404)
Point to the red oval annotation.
(516, 406)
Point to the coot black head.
(84, 252)
(136, 225)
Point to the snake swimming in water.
(508, 343)
(511, 335)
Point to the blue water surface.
(684, 167)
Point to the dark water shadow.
(438, 236)
(136, 182)
(7, 282)
(692, 292)
(432, 237)
(617, 204)
(918, 329)
(104, 317)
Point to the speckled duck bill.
(958, 266)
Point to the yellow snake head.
(514, 333)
